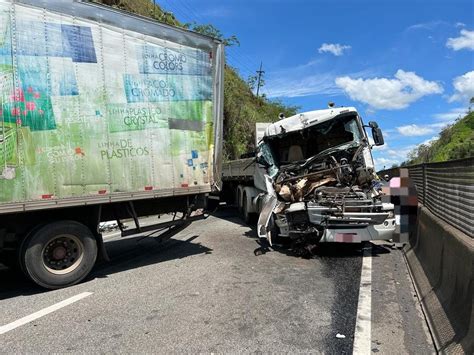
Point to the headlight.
(391, 214)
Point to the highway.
(204, 290)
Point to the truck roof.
(109, 15)
(305, 119)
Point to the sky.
(408, 65)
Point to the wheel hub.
(59, 253)
(62, 254)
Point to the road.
(204, 290)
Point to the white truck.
(104, 116)
(313, 180)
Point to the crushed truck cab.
(324, 182)
(319, 180)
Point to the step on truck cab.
(104, 115)
(313, 180)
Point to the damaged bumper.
(325, 224)
(357, 235)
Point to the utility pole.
(259, 80)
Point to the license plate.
(347, 238)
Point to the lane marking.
(22, 321)
(363, 328)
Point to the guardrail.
(446, 189)
(440, 254)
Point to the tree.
(211, 31)
(166, 17)
(252, 82)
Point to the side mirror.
(376, 133)
(373, 124)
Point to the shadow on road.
(137, 252)
(126, 254)
(13, 283)
(325, 250)
(334, 250)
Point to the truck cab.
(314, 180)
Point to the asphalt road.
(204, 290)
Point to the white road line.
(363, 329)
(22, 321)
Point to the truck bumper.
(382, 231)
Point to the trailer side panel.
(93, 113)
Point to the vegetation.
(456, 141)
(242, 109)
(143, 8)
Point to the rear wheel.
(245, 213)
(239, 199)
(249, 218)
(59, 254)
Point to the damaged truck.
(313, 180)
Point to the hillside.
(241, 107)
(455, 142)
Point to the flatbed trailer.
(239, 186)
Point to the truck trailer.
(312, 180)
(104, 115)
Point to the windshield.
(313, 140)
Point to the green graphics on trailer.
(87, 110)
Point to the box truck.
(312, 181)
(104, 115)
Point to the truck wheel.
(239, 199)
(59, 254)
(244, 213)
(246, 216)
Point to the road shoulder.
(398, 324)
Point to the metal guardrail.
(446, 189)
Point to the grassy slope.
(241, 108)
(454, 142)
(141, 7)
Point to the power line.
(238, 56)
(236, 62)
(178, 11)
(245, 62)
(188, 7)
(237, 59)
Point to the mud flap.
(264, 218)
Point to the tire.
(249, 218)
(239, 200)
(58, 254)
(212, 205)
(245, 214)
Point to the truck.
(312, 180)
(104, 115)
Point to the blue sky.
(409, 65)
